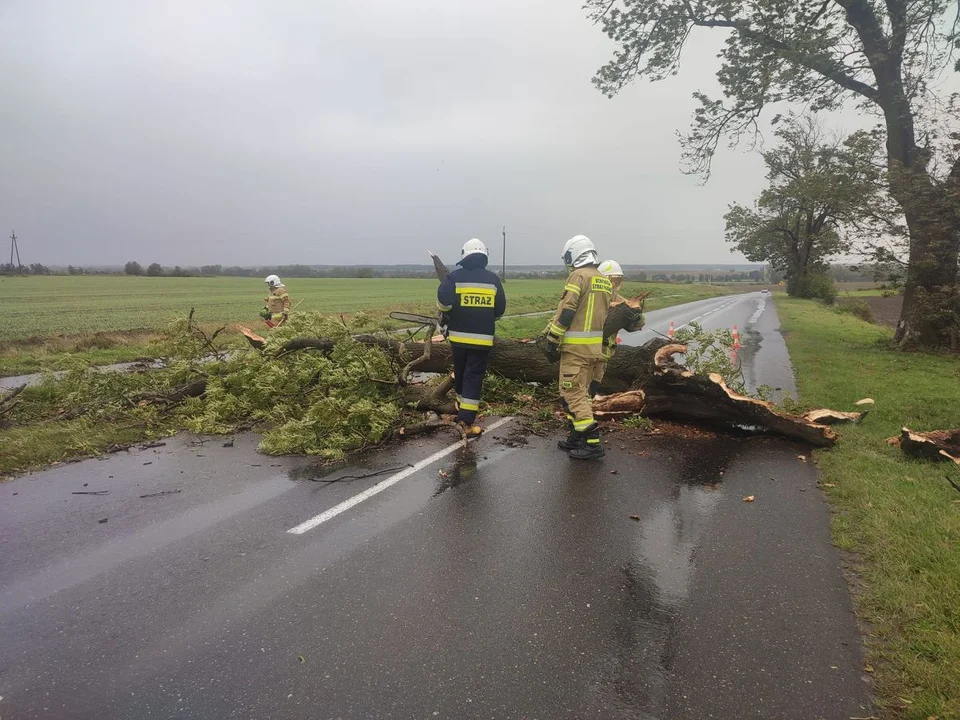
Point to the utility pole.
(14, 248)
(503, 272)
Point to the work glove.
(444, 325)
(265, 314)
(550, 348)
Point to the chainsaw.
(424, 321)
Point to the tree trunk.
(930, 315)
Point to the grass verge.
(900, 516)
(33, 446)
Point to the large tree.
(822, 191)
(885, 54)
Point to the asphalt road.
(763, 356)
(498, 581)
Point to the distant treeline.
(841, 273)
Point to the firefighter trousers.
(578, 367)
(469, 367)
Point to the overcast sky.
(346, 131)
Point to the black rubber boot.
(573, 439)
(591, 449)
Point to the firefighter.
(575, 337)
(470, 300)
(609, 269)
(277, 310)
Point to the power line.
(14, 248)
(503, 272)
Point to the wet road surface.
(498, 581)
(763, 355)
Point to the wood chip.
(749, 498)
(634, 517)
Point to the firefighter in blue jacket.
(471, 299)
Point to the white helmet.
(579, 251)
(273, 281)
(610, 268)
(472, 247)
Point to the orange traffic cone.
(736, 338)
(670, 331)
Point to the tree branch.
(820, 65)
(897, 9)
(863, 18)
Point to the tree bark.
(942, 445)
(931, 215)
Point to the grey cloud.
(341, 132)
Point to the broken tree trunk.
(943, 445)
(833, 417)
(676, 393)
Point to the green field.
(44, 307)
(900, 516)
(49, 321)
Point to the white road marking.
(383, 485)
(709, 312)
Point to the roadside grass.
(58, 353)
(61, 319)
(900, 516)
(63, 353)
(33, 446)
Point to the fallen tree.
(330, 387)
(643, 380)
(655, 384)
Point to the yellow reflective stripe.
(444, 308)
(580, 425)
(469, 405)
(582, 340)
(470, 338)
(462, 341)
(572, 288)
(556, 329)
(588, 323)
(593, 441)
(474, 290)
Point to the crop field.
(47, 307)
